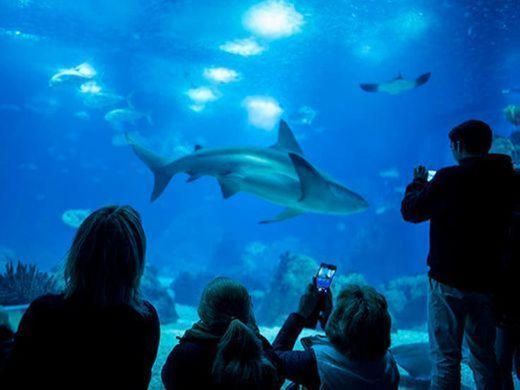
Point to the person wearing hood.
(470, 207)
(224, 349)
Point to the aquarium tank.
(257, 138)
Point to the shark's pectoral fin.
(286, 140)
(422, 79)
(370, 87)
(229, 187)
(285, 214)
(311, 181)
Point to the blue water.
(152, 52)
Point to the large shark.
(279, 174)
(397, 85)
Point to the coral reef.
(406, 298)
(502, 145)
(188, 287)
(512, 114)
(289, 281)
(342, 281)
(22, 283)
(158, 295)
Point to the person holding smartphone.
(469, 207)
(353, 353)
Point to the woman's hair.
(240, 361)
(225, 309)
(106, 260)
(222, 301)
(359, 325)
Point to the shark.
(397, 85)
(279, 174)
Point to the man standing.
(469, 207)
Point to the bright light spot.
(273, 19)
(221, 75)
(201, 95)
(90, 87)
(243, 47)
(263, 111)
(197, 107)
(86, 70)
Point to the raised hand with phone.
(316, 303)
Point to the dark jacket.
(321, 365)
(190, 363)
(469, 207)
(509, 288)
(63, 344)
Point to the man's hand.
(420, 173)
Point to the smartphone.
(431, 174)
(324, 276)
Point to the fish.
(304, 116)
(511, 91)
(75, 217)
(397, 85)
(83, 71)
(83, 115)
(391, 173)
(279, 174)
(102, 99)
(120, 116)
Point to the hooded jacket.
(469, 207)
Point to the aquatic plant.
(23, 283)
(289, 280)
(158, 295)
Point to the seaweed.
(23, 283)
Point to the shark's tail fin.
(161, 168)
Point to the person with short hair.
(225, 348)
(354, 353)
(469, 207)
(99, 333)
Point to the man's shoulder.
(449, 171)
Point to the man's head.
(359, 325)
(472, 138)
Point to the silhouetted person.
(469, 207)
(508, 331)
(354, 353)
(224, 349)
(98, 334)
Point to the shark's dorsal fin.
(311, 181)
(286, 140)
